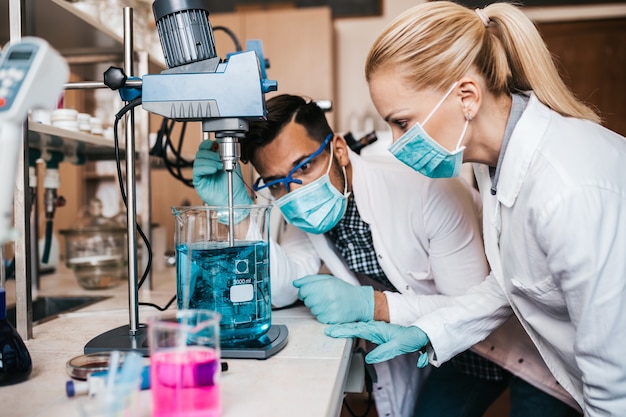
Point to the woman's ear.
(471, 96)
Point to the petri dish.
(81, 366)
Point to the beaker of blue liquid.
(225, 268)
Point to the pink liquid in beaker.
(184, 383)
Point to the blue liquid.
(234, 281)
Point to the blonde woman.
(459, 85)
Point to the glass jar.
(96, 249)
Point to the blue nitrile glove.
(211, 181)
(333, 301)
(393, 340)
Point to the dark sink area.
(47, 308)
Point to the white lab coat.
(427, 237)
(555, 237)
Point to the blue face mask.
(316, 207)
(422, 153)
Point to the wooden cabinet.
(297, 42)
(591, 56)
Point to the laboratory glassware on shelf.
(96, 249)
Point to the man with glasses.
(396, 242)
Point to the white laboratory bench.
(305, 379)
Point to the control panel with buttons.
(32, 76)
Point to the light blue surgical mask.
(422, 153)
(316, 207)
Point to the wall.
(353, 38)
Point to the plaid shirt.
(353, 239)
(470, 363)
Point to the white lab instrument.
(32, 76)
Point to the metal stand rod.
(231, 211)
(23, 265)
(133, 336)
(93, 85)
(230, 152)
(32, 204)
(23, 287)
(131, 197)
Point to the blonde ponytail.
(531, 63)
(436, 43)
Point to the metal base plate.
(119, 338)
(267, 345)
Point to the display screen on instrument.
(20, 55)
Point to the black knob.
(114, 78)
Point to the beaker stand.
(267, 345)
(120, 339)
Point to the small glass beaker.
(185, 364)
(230, 275)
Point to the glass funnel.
(230, 275)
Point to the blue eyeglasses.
(288, 179)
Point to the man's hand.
(211, 181)
(393, 340)
(333, 301)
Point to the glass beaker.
(224, 274)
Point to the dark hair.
(281, 110)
